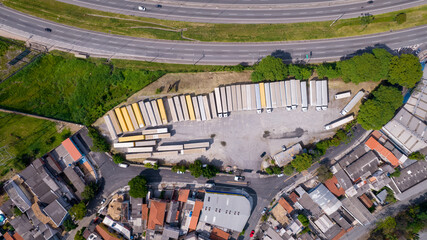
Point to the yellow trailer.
(115, 122)
(190, 107)
(127, 119)
(138, 114)
(162, 111)
(131, 138)
(262, 94)
(121, 120)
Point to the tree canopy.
(405, 70)
(90, 191)
(138, 187)
(376, 112)
(270, 68)
(303, 219)
(323, 173)
(416, 156)
(78, 211)
(196, 169)
(361, 68)
(302, 162)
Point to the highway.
(18, 25)
(256, 12)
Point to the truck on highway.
(318, 95)
(218, 102)
(304, 100)
(352, 102)
(288, 95)
(324, 94)
(257, 98)
(267, 97)
(339, 122)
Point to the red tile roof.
(294, 197)
(198, 206)
(104, 234)
(183, 195)
(71, 149)
(286, 205)
(157, 214)
(375, 145)
(339, 235)
(377, 134)
(144, 212)
(7, 236)
(17, 236)
(366, 201)
(218, 234)
(331, 184)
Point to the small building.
(363, 167)
(170, 233)
(325, 199)
(198, 206)
(373, 144)
(77, 181)
(183, 195)
(382, 196)
(18, 195)
(57, 212)
(279, 214)
(333, 186)
(286, 205)
(156, 217)
(356, 209)
(366, 201)
(305, 202)
(218, 234)
(284, 157)
(72, 149)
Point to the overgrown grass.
(24, 138)
(77, 90)
(165, 29)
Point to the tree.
(288, 170)
(384, 57)
(416, 156)
(269, 171)
(304, 220)
(138, 187)
(90, 191)
(196, 168)
(328, 70)
(99, 142)
(361, 68)
(387, 225)
(16, 212)
(323, 173)
(79, 235)
(276, 170)
(69, 224)
(405, 70)
(180, 168)
(376, 112)
(78, 211)
(270, 68)
(209, 171)
(396, 173)
(118, 158)
(302, 162)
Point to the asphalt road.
(62, 37)
(261, 12)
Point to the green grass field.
(61, 86)
(25, 136)
(164, 29)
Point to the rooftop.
(333, 186)
(307, 203)
(75, 179)
(104, 233)
(284, 157)
(56, 212)
(373, 144)
(183, 195)
(198, 206)
(357, 210)
(286, 205)
(325, 199)
(72, 149)
(364, 166)
(279, 214)
(411, 175)
(366, 201)
(157, 214)
(218, 234)
(17, 195)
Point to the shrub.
(269, 171)
(16, 211)
(118, 158)
(100, 144)
(400, 18)
(323, 173)
(302, 162)
(416, 156)
(159, 90)
(276, 170)
(148, 165)
(304, 220)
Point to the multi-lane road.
(253, 11)
(32, 29)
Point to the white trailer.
(318, 95)
(123, 145)
(267, 97)
(193, 151)
(288, 95)
(239, 98)
(196, 108)
(206, 106)
(249, 97)
(342, 95)
(304, 100)
(170, 147)
(144, 113)
(312, 84)
(138, 155)
(218, 102)
(139, 149)
(253, 97)
(257, 98)
(234, 96)
(298, 84)
(184, 107)
(352, 102)
(224, 102)
(213, 105)
(145, 143)
(339, 122)
(156, 112)
(201, 107)
(278, 96)
(229, 98)
(178, 108)
(154, 131)
(273, 95)
(244, 96)
(294, 94)
(110, 127)
(196, 145)
(172, 110)
(150, 113)
(282, 93)
(324, 94)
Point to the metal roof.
(226, 210)
(325, 199)
(56, 212)
(366, 165)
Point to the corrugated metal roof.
(72, 149)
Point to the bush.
(4, 46)
(148, 165)
(79, 235)
(416, 156)
(156, 166)
(138, 187)
(270, 68)
(400, 18)
(302, 162)
(209, 171)
(159, 90)
(196, 169)
(366, 19)
(269, 171)
(118, 158)
(276, 170)
(100, 144)
(304, 220)
(180, 168)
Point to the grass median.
(171, 30)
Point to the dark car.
(48, 30)
(158, 6)
(263, 154)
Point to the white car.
(141, 8)
(123, 165)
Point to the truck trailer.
(196, 109)
(144, 113)
(318, 95)
(312, 84)
(229, 98)
(262, 95)
(339, 122)
(282, 93)
(154, 131)
(244, 97)
(218, 102)
(258, 98)
(342, 95)
(224, 102)
(150, 113)
(304, 100)
(185, 112)
(288, 95)
(162, 111)
(207, 108)
(212, 102)
(324, 94)
(138, 115)
(190, 107)
(267, 97)
(239, 98)
(178, 108)
(156, 112)
(294, 94)
(172, 110)
(201, 107)
(352, 102)
(273, 95)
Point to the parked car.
(158, 6)
(280, 175)
(239, 178)
(264, 211)
(263, 154)
(141, 8)
(48, 30)
(103, 200)
(123, 165)
(252, 233)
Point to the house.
(72, 149)
(56, 211)
(170, 233)
(157, 214)
(373, 144)
(305, 202)
(333, 186)
(286, 205)
(117, 227)
(103, 232)
(118, 209)
(183, 195)
(136, 214)
(77, 181)
(218, 234)
(279, 213)
(172, 216)
(411, 181)
(325, 199)
(284, 157)
(366, 201)
(363, 167)
(356, 209)
(198, 206)
(416, 103)
(19, 196)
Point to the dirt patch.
(196, 83)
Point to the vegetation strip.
(136, 26)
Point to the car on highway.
(239, 178)
(48, 30)
(252, 233)
(141, 8)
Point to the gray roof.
(17, 195)
(22, 226)
(75, 179)
(417, 103)
(325, 199)
(412, 175)
(38, 179)
(333, 231)
(172, 211)
(272, 234)
(343, 179)
(344, 220)
(169, 232)
(307, 203)
(357, 210)
(136, 207)
(56, 212)
(382, 195)
(53, 164)
(227, 210)
(6, 208)
(364, 166)
(355, 154)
